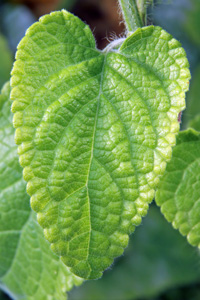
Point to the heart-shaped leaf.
(28, 268)
(94, 130)
(179, 189)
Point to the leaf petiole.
(131, 14)
(114, 45)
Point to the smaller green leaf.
(179, 190)
(28, 268)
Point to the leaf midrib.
(92, 152)
(94, 132)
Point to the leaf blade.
(177, 194)
(95, 158)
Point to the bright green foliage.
(5, 61)
(179, 189)
(158, 258)
(94, 130)
(28, 268)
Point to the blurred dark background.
(158, 263)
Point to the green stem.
(131, 14)
(142, 9)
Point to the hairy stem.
(142, 8)
(131, 14)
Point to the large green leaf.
(158, 258)
(179, 190)
(28, 268)
(94, 130)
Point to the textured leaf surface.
(28, 268)
(157, 259)
(179, 190)
(94, 131)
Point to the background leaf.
(179, 189)
(192, 23)
(94, 132)
(195, 123)
(6, 61)
(28, 268)
(193, 98)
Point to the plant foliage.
(28, 268)
(94, 132)
(178, 192)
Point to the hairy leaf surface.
(179, 189)
(94, 130)
(28, 268)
